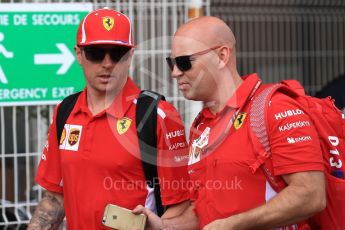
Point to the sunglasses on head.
(97, 54)
(184, 62)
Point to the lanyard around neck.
(224, 134)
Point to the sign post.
(37, 61)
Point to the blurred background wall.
(279, 39)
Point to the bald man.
(229, 190)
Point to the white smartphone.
(120, 218)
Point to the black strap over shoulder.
(146, 123)
(64, 110)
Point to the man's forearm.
(293, 204)
(49, 213)
(272, 214)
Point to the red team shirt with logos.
(98, 161)
(220, 161)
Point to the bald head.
(209, 73)
(208, 30)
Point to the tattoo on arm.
(49, 213)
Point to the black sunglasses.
(97, 54)
(184, 62)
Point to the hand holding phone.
(120, 218)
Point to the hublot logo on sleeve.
(288, 113)
(176, 133)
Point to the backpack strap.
(63, 111)
(259, 135)
(146, 123)
(295, 86)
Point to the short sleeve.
(48, 173)
(172, 155)
(293, 139)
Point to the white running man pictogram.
(6, 54)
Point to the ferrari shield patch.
(239, 120)
(108, 23)
(123, 125)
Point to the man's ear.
(78, 53)
(224, 56)
(131, 52)
(130, 55)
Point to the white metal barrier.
(23, 129)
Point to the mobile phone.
(120, 218)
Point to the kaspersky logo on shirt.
(70, 137)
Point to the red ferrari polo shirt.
(98, 160)
(221, 153)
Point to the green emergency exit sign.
(37, 61)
